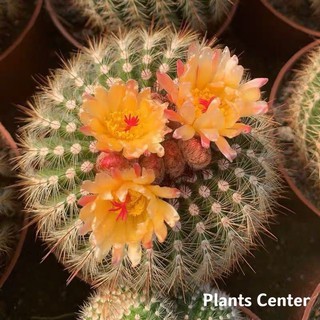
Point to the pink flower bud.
(107, 161)
(195, 154)
(155, 163)
(173, 159)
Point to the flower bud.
(155, 163)
(107, 161)
(173, 159)
(195, 154)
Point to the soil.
(301, 13)
(288, 262)
(10, 30)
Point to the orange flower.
(211, 96)
(123, 119)
(124, 210)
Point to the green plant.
(111, 15)
(223, 204)
(303, 117)
(122, 304)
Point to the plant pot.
(68, 36)
(249, 314)
(308, 311)
(268, 32)
(276, 89)
(7, 139)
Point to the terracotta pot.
(10, 142)
(257, 23)
(273, 96)
(249, 314)
(63, 30)
(314, 297)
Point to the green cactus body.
(192, 307)
(304, 118)
(112, 15)
(221, 210)
(124, 305)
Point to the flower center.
(134, 205)
(202, 99)
(124, 125)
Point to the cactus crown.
(221, 208)
(122, 304)
(304, 117)
(111, 15)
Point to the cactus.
(223, 204)
(10, 222)
(111, 15)
(122, 304)
(303, 118)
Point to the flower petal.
(185, 132)
(225, 149)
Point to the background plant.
(222, 209)
(111, 15)
(303, 117)
(10, 221)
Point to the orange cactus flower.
(125, 120)
(210, 97)
(124, 210)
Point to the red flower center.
(122, 207)
(206, 103)
(131, 121)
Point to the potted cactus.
(123, 304)
(148, 162)
(295, 98)
(17, 17)
(86, 18)
(11, 221)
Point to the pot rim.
(249, 313)
(68, 36)
(310, 305)
(23, 232)
(24, 32)
(275, 89)
(290, 22)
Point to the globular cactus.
(122, 304)
(103, 118)
(112, 15)
(303, 118)
(10, 221)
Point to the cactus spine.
(111, 15)
(222, 208)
